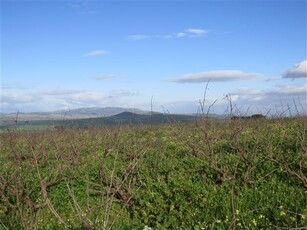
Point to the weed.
(244, 174)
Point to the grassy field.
(235, 174)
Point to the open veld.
(205, 174)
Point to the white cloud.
(196, 32)
(284, 99)
(55, 92)
(15, 97)
(189, 33)
(279, 91)
(217, 75)
(83, 97)
(13, 85)
(181, 35)
(105, 76)
(166, 36)
(245, 101)
(273, 79)
(14, 101)
(57, 99)
(292, 89)
(250, 94)
(136, 37)
(297, 71)
(96, 53)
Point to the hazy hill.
(87, 117)
(91, 112)
(126, 115)
(117, 119)
(101, 111)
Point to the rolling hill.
(89, 117)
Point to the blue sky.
(84, 53)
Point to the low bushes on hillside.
(244, 174)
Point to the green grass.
(205, 175)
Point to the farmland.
(204, 174)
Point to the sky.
(172, 55)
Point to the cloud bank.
(290, 98)
(280, 100)
(57, 99)
(215, 76)
(297, 71)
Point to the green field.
(205, 174)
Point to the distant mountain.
(95, 116)
(126, 115)
(91, 112)
(86, 118)
(100, 111)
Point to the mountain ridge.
(94, 116)
(78, 113)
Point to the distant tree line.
(254, 116)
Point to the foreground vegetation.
(236, 174)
